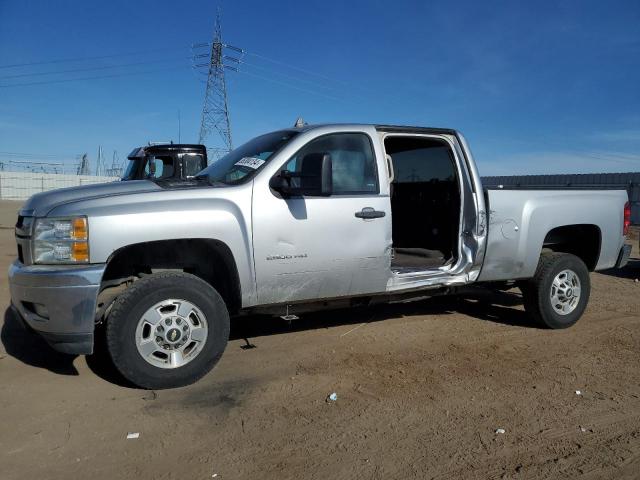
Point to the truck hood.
(41, 204)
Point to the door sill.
(420, 271)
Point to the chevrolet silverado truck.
(299, 219)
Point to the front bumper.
(623, 256)
(58, 302)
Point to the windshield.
(241, 164)
(132, 168)
(156, 167)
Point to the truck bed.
(520, 218)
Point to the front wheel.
(167, 330)
(558, 293)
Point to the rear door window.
(192, 164)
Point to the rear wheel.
(558, 293)
(167, 330)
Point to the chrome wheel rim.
(171, 333)
(565, 292)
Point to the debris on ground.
(500, 430)
(578, 392)
(353, 329)
(133, 435)
(333, 397)
(150, 396)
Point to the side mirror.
(281, 183)
(315, 178)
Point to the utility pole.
(83, 168)
(215, 112)
(99, 162)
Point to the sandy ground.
(421, 390)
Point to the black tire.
(141, 296)
(536, 291)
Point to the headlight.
(61, 240)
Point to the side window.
(420, 160)
(162, 167)
(155, 170)
(353, 162)
(192, 165)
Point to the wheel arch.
(582, 240)
(209, 259)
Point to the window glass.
(163, 167)
(417, 160)
(241, 164)
(191, 165)
(353, 162)
(132, 169)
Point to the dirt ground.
(421, 388)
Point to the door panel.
(316, 247)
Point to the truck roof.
(167, 147)
(412, 129)
(175, 146)
(382, 128)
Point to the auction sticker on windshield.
(250, 162)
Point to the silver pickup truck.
(294, 220)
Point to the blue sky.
(536, 87)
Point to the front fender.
(222, 214)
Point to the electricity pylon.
(215, 112)
(116, 169)
(83, 167)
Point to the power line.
(283, 64)
(291, 77)
(311, 83)
(97, 57)
(266, 70)
(38, 155)
(18, 162)
(217, 47)
(86, 69)
(144, 72)
(240, 61)
(288, 65)
(96, 77)
(288, 85)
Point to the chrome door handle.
(368, 212)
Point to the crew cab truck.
(297, 219)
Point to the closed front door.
(310, 247)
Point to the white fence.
(21, 185)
